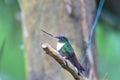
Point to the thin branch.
(63, 62)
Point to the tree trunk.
(53, 16)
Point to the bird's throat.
(59, 45)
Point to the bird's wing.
(68, 48)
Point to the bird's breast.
(59, 46)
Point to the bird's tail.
(73, 59)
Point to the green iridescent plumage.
(66, 49)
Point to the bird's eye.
(62, 38)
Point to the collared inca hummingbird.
(65, 49)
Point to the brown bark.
(52, 16)
(63, 62)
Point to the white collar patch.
(59, 45)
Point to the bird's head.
(62, 38)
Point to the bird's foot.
(64, 58)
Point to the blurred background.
(12, 65)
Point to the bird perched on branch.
(66, 51)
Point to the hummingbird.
(66, 51)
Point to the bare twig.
(63, 62)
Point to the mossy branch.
(63, 62)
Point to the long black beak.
(57, 37)
(49, 34)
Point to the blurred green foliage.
(108, 42)
(11, 58)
